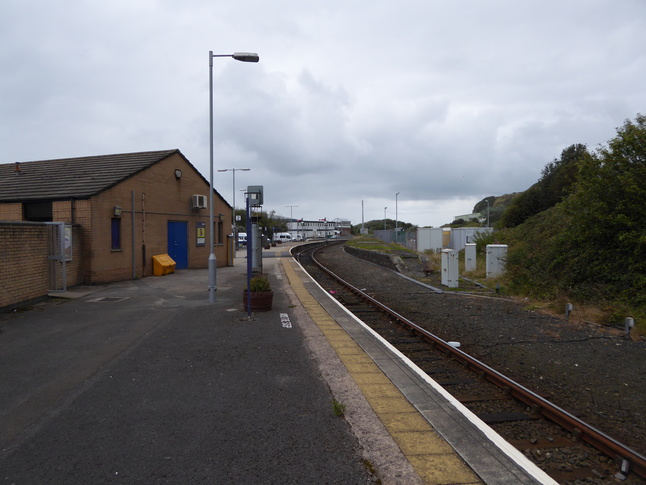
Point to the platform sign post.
(249, 252)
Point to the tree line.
(580, 231)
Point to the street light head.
(246, 56)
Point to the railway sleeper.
(580, 473)
(484, 397)
(432, 371)
(454, 382)
(494, 418)
(424, 359)
(404, 341)
(543, 443)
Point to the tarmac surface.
(144, 381)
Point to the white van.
(282, 237)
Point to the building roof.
(72, 178)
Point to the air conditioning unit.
(198, 201)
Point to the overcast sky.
(445, 102)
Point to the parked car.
(282, 237)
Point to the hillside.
(580, 232)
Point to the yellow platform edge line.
(428, 453)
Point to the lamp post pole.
(238, 56)
(291, 214)
(234, 227)
(396, 215)
(487, 212)
(362, 217)
(385, 217)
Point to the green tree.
(592, 246)
(556, 182)
(269, 222)
(378, 224)
(606, 234)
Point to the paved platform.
(146, 382)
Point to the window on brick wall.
(37, 211)
(220, 233)
(116, 233)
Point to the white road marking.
(285, 321)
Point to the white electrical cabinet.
(450, 268)
(469, 257)
(496, 259)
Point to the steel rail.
(629, 460)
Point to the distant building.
(438, 238)
(467, 217)
(300, 228)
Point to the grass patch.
(371, 243)
(338, 408)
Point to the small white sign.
(284, 319)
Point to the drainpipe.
(134, 259)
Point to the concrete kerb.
(379, 448)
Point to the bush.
(482, 239)
(260, 283)
(591, 246)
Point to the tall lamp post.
(396, 216)
(362, 217)
(238, 56)
(291, 214)
(385, 217)
(234, 227)
(487, 212)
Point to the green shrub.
(260, 283)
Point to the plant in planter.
(260, 297)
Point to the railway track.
(560, 443)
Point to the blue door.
(178, 243)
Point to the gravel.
(594, 372)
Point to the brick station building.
(121, 210)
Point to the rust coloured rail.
(628, 459)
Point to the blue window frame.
(116, 233)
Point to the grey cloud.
(444, 102)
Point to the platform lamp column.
(291, 214)
(238, 56)
(396, 213)
(234, 227)
(487, 212)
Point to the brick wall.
(24, 264)
(11, 212)
(23, 259)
